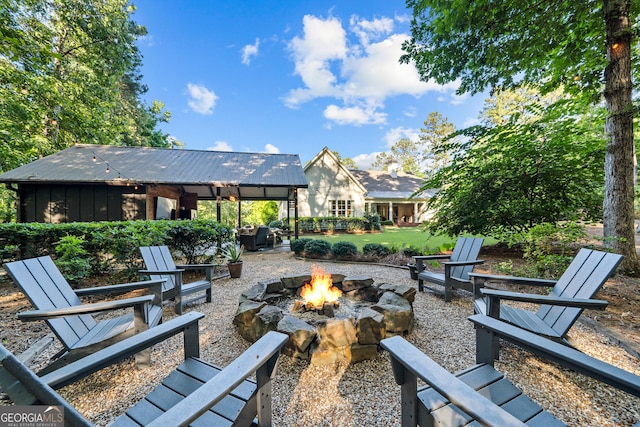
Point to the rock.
(405, 291)
(246, 311)
(295, 282)
(264, 321)
(301, 334)
(273, 286)
(256, 292)
(397, 312)
(353, 283)
(336, 333)
(370, 326)
(361, 352)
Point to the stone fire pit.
(351, 329)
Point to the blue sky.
(289, 76)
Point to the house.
(111, 183)
(335, 190)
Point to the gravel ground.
(364, 393)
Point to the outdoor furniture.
(71, 321)
(159, 263)
(195, 390)
(559, 310)
(480, 393)
(81, 368)
(456, 271)
(256, 240)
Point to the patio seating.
(195, 393)
(73, 322)
(255, 240)
(159, 263)
(558, 310)
(480, 394)
(456, 271)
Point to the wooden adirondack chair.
(159, 263)
(195, 391)
(73, 322)
(480, 394)
(456, 271)
(559, 310)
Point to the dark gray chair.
(195, 393)
(256, 241)
(559, 310)
(159, 264)
(481, 395)
(71, 321)
(456, 271)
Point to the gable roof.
(243, 175)
(325, 152)
(381, 185)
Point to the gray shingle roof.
(381, 185)
(145, 165)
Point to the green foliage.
(297, 246)
(317, 248)
(543, 164)
(232, 252)
(387, 222)
(372, 221)
(115, 244)
(375, 249)
(282, 225)
(322, 224)
(344, 250)
(72, 259)
(548, 249)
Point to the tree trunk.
(619, 230)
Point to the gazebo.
(110, 183)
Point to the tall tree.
(69, 72)
(585, 46)
(405, 153)
(541, 163)
(436, 130)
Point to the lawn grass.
(397, 237)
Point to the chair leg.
(420, 285)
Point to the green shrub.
(387, 222)
(375, 249)
(297, 246)
(72, 258)
(344, 250)
(317, 248)
(411, 251)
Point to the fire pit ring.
(350, 329)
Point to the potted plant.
(233, 254)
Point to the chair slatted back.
(584, 277)
(158, 258)
(46, 288)
(466, 249)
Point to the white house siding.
(328, 181)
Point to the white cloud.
(270, 148)
(359, 68)
(221, 146)
(364, 161)
(394, 135)
(250, 50)
(459, 99)
(367, 30)
(410, 112)
(202, 100)
(357, 116)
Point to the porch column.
(391, 211)
(415, 212)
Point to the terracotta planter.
(235, 269)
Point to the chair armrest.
(482, 277)
(262, 355)
(545, 299)
(560, 353)
(421, 257)
(32, 315)
(81, 368)
(409, 363)
(124, 287)
(156, 272)
(458, 263)
(195, 266)
(420, 260)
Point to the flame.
(320, 290)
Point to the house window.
(340, 208)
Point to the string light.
(108, 168)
